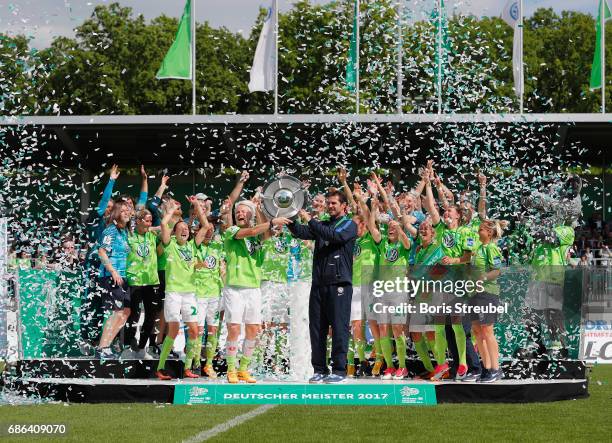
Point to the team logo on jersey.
(449, 241)
(250, 245)
(279, 246)
(357, 250)
(143, 250)
(185, 254)
(210, 262)
(392, 255)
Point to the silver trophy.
(284, 197)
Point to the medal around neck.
(284, 197)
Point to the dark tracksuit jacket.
(331, 291)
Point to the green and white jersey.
(486, 259)
(142, 259)
(549, 261)
(454, 241)
(365, 260)
(243, 260)
(426, 260)
(208, 281)
(470, 232)
(394, 259)
(180, 266)
(275, 258)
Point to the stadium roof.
(186, 141)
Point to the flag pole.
(357, 59)
(193, 58)
(276, 57)
(439, 36)
(602, 26)
(522, 73)
(400, 49)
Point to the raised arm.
(403, 238)
(429, 202)
(108, 191)
(235, 194)
(144, 189)
(363, 207)
(261, 228)
(482, 201)
(342, 176)
(372, 227)
(166, 232)
(201, 215)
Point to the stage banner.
(49, 302)
(596, 338)
(379, 394)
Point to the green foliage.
(110, 65)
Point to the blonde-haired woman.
(487, 262)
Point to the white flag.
(512, 15)
(263, 71)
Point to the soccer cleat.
(440, 372)
(246, 377)
(377, 367)
(333, 379)
(232, 377)
(317, 378)
(350, 371)
(388, 374)
(188, 374)
(209, 371)
(162, 374)
(462, 371)
(401, 374)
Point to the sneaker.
(471, 376)
(246, 377)
(498, 374)
(197, 370)
(350, 371)
(333, 379)
(174, 356)
(154, 351)
(462, 371)
(401, 374)
(188, 374)
(162, 374)
(487, 376)
(127, 354)
(142, 354)
(86, 349)
(377, 367)
(388, 374)
(105, 354)
(317, 378)
(209, 371)
(232, 377)
(363, 369)
(440, 371)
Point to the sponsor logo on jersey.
(210, 262)
(185, 254)
(449, 241)
(470, 242)
(143, 250)
(392, 255)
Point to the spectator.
(606, 256)
(589, 256)
(583, 261)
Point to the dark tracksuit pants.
(330, 305)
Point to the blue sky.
(45, 19)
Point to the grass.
(577, 420)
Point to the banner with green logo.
(379, 394)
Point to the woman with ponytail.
(487, 262)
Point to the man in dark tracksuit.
(332, 290)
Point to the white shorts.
(275, 302)
(180, 306)
(208, 311)
(242, 305)
(356, 309)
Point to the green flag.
(351, 67)
(177, 63)
(596, 68)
